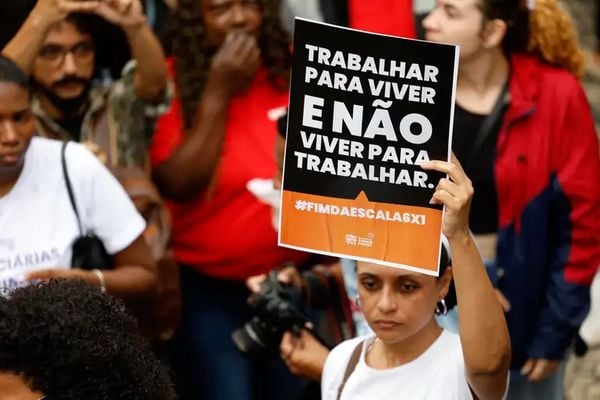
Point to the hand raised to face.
(235, 63)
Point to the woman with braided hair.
(231, 65)
(525, 135)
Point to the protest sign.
(365, 111)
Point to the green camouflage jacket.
(117, 125)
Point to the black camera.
(277, 308)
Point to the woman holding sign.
(410, 356)
(525, 135)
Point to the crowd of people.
(136, 249)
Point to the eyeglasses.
(54, 55)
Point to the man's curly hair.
(186, 42)
(71, 342)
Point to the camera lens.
(254, 338)
(276, 310)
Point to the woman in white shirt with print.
(410, 357)
(38, 224)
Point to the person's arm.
(172, 4)
(483, 331)
(107, 211)
(25, 46)
(190, 168)
(134, 275)
(305, 356)
(150, 80)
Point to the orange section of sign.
(394, 234)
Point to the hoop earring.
(441, 308)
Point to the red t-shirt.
(230, 234)
(390, 17)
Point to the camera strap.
(487, 127)
(350, 367)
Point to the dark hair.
(85, 23)
(186, 42)
(547, 31)
(11, 73)
(71, 342)
(516, 16)
(446, 262)
(110, 43)
(12, 16)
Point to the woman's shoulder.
(81, 163)
(559, 79)
(340, 355)
(46, 152)
(450, 336)
(79, 155)
(449, 343)
(344, 350)
(337, 361)
(52, 148)
(542, 77)
(42, 146)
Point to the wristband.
(101, 278)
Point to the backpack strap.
(350, 367)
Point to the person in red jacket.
(231, 65)
(525, 135)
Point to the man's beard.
(68, 107)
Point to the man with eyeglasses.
(56, 45)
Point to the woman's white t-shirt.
(438, 373)
(37, 222)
